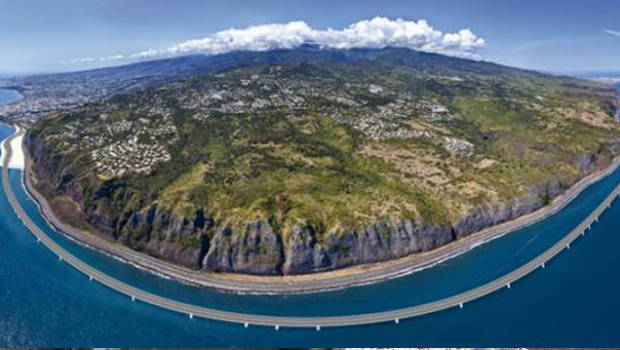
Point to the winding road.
(192, 311)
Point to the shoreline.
(17, 160)
(316, 322)
(16, 95)
(357, 275)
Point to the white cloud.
(112, 58)
(378, 32)
(612, 32)
(81, 60)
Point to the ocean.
(8, 96)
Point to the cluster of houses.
(346, 102)
(122, 145)
(119, 158)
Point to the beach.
(17, 159)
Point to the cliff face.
(304, 252)
(254, 249)
(162, 234)
(198, 242)
(495, 213)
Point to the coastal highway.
(278, 322)
(311, 283)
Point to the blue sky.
(560, 36)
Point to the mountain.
(295, 161)
(47, 93)
(53, 92)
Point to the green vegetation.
(337, 145)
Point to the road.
(278, 322)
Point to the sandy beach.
(309, 283)
(17, 159)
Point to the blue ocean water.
(573, 302)
(8, 96)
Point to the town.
(126, 140)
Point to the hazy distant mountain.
(602, 76)
(53, 92)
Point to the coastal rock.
(256, 249)
(71, 187)
(614, 148)
(491, 214)
(373, 243)
(586, 163)
(301, 253)
(168, 236)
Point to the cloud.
(612, 32)
(81, 60)
(378, 32)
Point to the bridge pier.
(191, 315)
(90, 278)
(133, 298)
(318, 328)
(59, 258)
(246, 325)
(277, 327)
(38, 240)
(397, 321)
(542, 265)
(568, 246)
(460, 305)
(508, 285)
